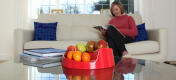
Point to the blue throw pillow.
(142, 34)
(45, 31)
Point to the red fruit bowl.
(101, 58)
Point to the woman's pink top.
(125, 24)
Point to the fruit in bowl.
(85, 57)
(81, 47)
(90, 46)
(71, 48)
(102, 44)
(77, 56)
(70, 55)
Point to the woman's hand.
(103, 31)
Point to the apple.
(71, 48)
(90, 46)
(102, 44)
(81, 47)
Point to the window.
(47, 5)
(37, 7)
(128, 5)
(83, 6)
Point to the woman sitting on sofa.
(123, 30)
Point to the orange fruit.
(70, 54)
(86, 57)
(69, 77)
(76, 77)
(86, 78)
(77, 56)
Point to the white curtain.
(21, 13)
(33, 8)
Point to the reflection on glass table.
(124, 70)
(143, 70)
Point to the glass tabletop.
(126, 69)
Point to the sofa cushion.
(50, 44)
(85, 33)
(137, 18)
(45, 31)
(76, 27)
(79, 26)
(142, 47)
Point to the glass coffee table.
(126, 69)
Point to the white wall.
(161, 14)
(7, 24)
(12, 16)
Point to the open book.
(105, 27)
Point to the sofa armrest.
(22, 36)
(157, 34)
(28, 35)
(160, 35)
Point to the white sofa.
(73, 29)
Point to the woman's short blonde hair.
(119, 5)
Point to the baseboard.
(5, 56)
